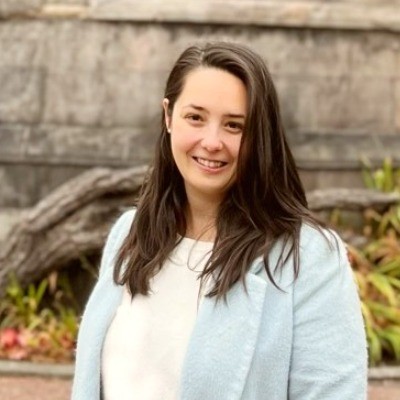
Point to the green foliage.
(377, 268)
(32, 329)
(378, 277)
(384, 179)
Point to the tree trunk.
(351, 199)
(74, 220)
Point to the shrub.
(30, 329)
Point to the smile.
(209, 163)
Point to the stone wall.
(82, 82)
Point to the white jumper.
(146, 342)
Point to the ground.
(31, 388)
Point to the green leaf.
(40, 291)
(392, 267)
(367, 315)
(388, 175)
(381, 310)
(382, 284)
(392, 336)
(374, 347)
(394, 282)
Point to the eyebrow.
(199, 108)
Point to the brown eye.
(194, 117)
(235, 127)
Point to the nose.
(212, 140)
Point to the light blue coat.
(306, 343)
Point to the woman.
(221, 284)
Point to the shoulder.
(319, 250)
(122, 225)
(317, 243)
(324, 267)
(313, 237)
(119, 231)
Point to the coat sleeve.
(97, 316)
(329, 353)
(116, 236)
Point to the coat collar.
(223, 341)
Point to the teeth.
(209, 163)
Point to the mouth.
(213, 164)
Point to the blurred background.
(81, 84)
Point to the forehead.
(214, 88)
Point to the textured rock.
(103, 98)
(68, 145)
(375, 55)
(14, 140)
(24, 184)
(22, 44)
(19, 7)
(67, 2)
(21, 94)
(74, 146)
(397, 106)
(353, 105)
(79, 93)
(304, 52)
(314, 14)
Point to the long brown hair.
(266, 202)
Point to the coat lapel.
(223, 341)
(99, 313)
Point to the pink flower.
(17, 354)
(9, 337)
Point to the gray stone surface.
(397, 104)
(320, 179)
(376, 55)
(14, 140)
(88, 146)
(343, 152)
(97, 79)
(68, 145)
(353, 104)
(21, 94)
(67, 2)
(36, 369)
(305, 52)
(306, 13)
(297, 98)
(17, 7)
(78, 93)
(24, 184)
(22, 43)
(102, 98)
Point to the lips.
(214, 164)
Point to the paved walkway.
(33, 388)
(387, 390)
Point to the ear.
(167, 115)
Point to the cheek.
(181, 144)
(182, 138)
(234, 146)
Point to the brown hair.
(266, 201)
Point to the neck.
(201, 214)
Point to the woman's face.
(206, 127)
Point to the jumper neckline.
(194, 244)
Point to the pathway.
(33, 388)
